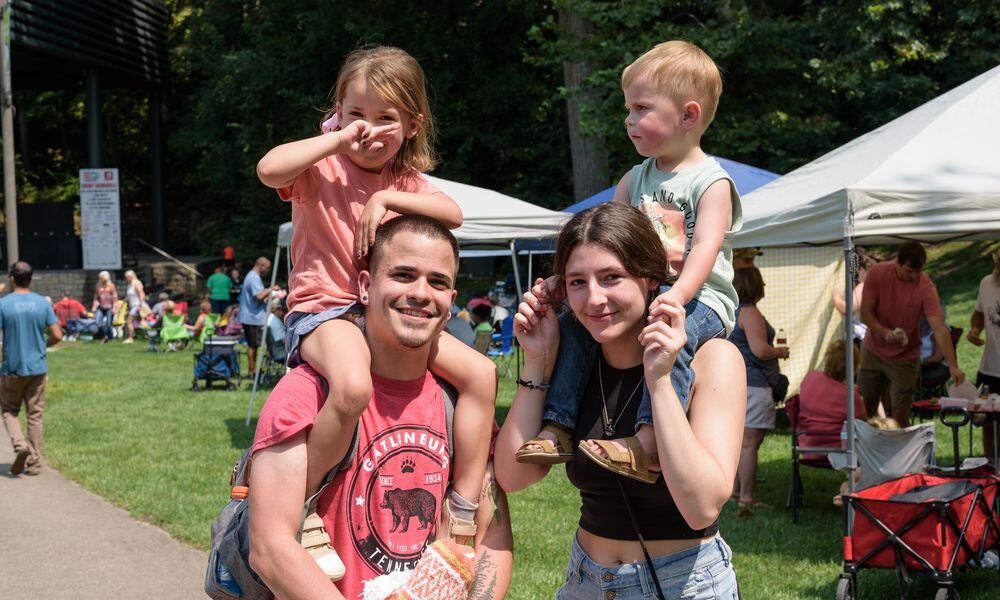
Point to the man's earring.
(364, 298)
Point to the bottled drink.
(780, 338)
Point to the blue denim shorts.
(299, 325)
(703, 572)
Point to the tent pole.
(263, 338)
(849, 352)
(517, 274)
(531, 281)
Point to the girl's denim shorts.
(700, 573)
(298, 325)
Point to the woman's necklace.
(609, 427)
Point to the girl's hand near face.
(359, 136)
(371, 217)
(537, 330)
(662, 339)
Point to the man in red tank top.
(384, 507)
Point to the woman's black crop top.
(602, 511)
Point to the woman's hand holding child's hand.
(536, 327)
(663, 338)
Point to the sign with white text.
(100, 219)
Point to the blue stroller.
(219, 360)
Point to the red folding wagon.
(920, 522)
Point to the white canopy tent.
(931, 175)
(489, 218)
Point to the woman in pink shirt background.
(363, 169)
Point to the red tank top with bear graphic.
(380, 510)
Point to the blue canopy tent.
(747, 179)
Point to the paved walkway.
(60, 541)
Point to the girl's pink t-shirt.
(327, 201)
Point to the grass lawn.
(122, 422)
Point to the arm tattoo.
(485, 581)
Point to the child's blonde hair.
(398, 79)
(681, 71)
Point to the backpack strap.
(449, 396)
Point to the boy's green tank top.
(670, 200)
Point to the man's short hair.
(417, 224)
(21, 273)
(261, 261)
(912, 254)
(66, 294)
(682, 72)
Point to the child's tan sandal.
(317, 543)
(540, 451)
(457, 526)
(633, 462)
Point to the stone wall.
(181, 283)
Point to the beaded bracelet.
(531, 385)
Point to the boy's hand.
(668, 297)
(662, 339)
(371, 217)
(550, 290)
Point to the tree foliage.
(801, 78)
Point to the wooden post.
(7, 129)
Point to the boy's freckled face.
(654, 120)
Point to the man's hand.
(371, 217)
(956, 375)
(974, 337)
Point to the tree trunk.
(589, 154)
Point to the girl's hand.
(537, 330)
(371, 217)
(360, 136)
(663, 338)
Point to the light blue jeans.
(104, 318)
(704, 572)
(577, 351)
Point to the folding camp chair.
(208, 327)
(810, 456)
(173, 334)
(506, 352)
(273, 366)
(885, 454)
(482, 341)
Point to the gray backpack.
(228, 575)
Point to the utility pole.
(7, 129)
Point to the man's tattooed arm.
(485, 581)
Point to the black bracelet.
(531, 385)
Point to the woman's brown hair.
(749, 285)
(398, 79)
(621, 230)
(835, 360)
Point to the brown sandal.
(633, 462)
(540, 451)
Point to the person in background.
(276, 321)
(219, 285)
(865, 262)
(105, 296)
(253, 307)
(754, 337)
(68, 312)
(986, 318)
(24, 318)
(229, 257)
(135, 295)
(234, 292)
(199, 323)
(160, 308)
(481, 317)
(896, 294)
(743, 257)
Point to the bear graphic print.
(394, 495)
